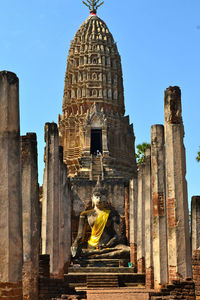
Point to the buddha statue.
(104, 241)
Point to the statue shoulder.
(86, 213)
(115, 216)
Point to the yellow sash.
(98, 227)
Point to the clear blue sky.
(159, 43)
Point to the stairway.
(103, 273)
(102, 281)
(96, 167)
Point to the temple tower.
(96, 136)
(93, 107)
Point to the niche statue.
(104, 241)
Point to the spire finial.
(93, 5)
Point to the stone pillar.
(87, 138)
(148, 220)
(159, 206)
(179, 252)
(30, 215)
(11, 248)
(126, 210)
(104, 142)
(195, 221)
(56, 205)
(50, 203)
(64, 215)
(141, 222)
(133, 197)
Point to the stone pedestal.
(10, 181)
(159, 206)
(30, 215)
(148, 220)
(56, 205)
(179, 252)
(133, 220)
(195, 220)
(141, 222)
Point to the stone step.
(124, 279)
(99, 263)
(96, 162)
(103, 270)
(70, 297)
(106, 278)
(96, 281)
(96, 171)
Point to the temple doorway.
(96, 141)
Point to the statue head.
(99, 198)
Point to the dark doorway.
(96, 141)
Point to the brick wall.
(149, 278)
(10, 291)
(141, 265)
(179, 289)
(52, 288)
(196, 272)
(133, 255)
(183, 288)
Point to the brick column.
(30, 215)
(133, 220)
(195, 221)
(141, 222)
(148, 220)
(179, 253)
(159, 206)
(10, 180)
(56, 205)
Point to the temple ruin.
(101, 226)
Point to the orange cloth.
(98, 227)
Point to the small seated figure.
(98, 153)
(104, 242)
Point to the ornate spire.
(93, 5)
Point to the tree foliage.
(140, 154)
(198, 156)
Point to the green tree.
(198, 156)
(140, 154)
